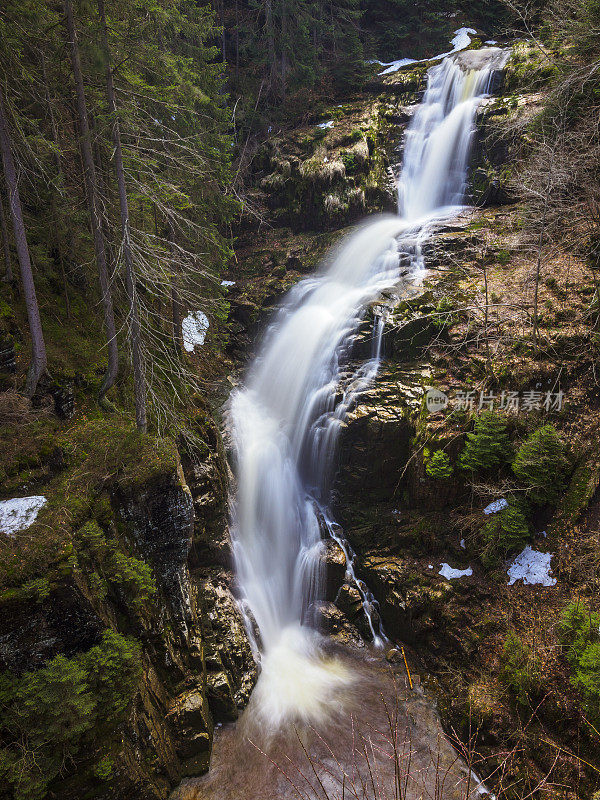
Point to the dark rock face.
(35, 630)
(163, 522)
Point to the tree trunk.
(538, 269)
(59, 175)
(270, 33)
(8, 273)
(284, 50)
(139, 378)
(89, 173)
(38, 355)
(175, 298)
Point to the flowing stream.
(286, 420)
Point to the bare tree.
(39, 362)
(89, 172)
(139, 379)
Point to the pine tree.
(488, 446)
(540, 465)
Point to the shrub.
(580, 636)
(439, 466)
(68, 707)
(488, 446)
(505, 532)
(540, 465)
(106, 565)
(520, 669)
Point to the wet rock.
(34, 630)
(349, 601)
(226, 646)
(221, 697)
(334, 564)
(64, 400)
(335, 624)
(191, 721)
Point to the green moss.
(520, 669)
(96, 453)
(65, 712)
(100, 558)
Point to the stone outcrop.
(196, 664)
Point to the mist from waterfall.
(286, 420)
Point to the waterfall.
(286, 419)
(438, 141)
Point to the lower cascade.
(286, 420)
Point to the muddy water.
(381, 740)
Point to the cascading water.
(438, 141)
(286, 420)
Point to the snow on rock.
(19, 513)
(193, 329)
(328, 124)
(461, 39)
(394, 66)
(449, 572)
(532, 567)
(497, 505)
(227, 283)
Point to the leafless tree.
(139, 380)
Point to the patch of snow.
(430, 566)
(532, 567)
(193, 329)
(461, 39)
(491, 41)
(462, 544)
(497, 505)
(227, 283)
(328, 124)
(544, 534)
(449, 572)
(19, 513)
(394, 66)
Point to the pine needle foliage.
(488, 446)
(540, 465)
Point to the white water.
(286, 420)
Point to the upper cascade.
(438, 140)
